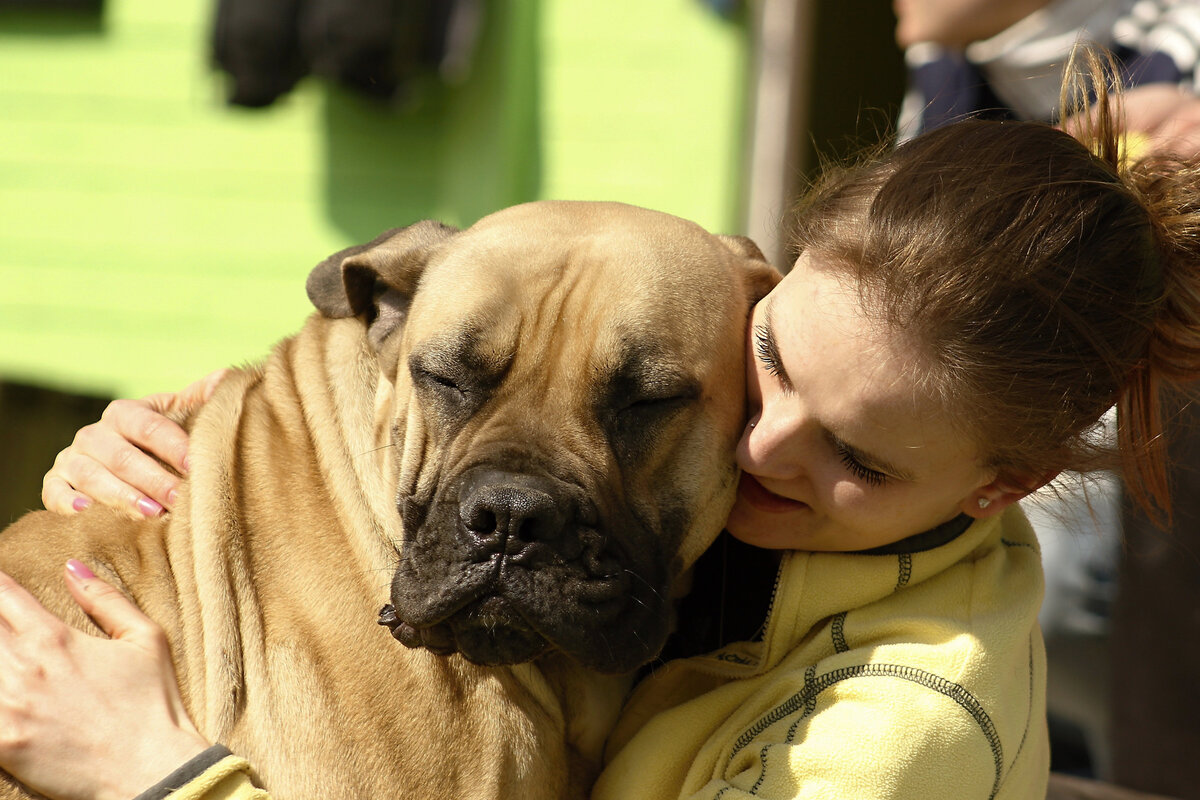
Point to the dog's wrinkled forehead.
(620, 272)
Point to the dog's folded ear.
(760, 276)
(376, 280)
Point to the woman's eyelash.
(857, 469)
(767, 352)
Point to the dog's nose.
(509, 511)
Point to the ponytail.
(1168, 189)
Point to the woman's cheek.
(849, 496)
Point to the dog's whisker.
(607, 645)
(647, 583)
(373, 450)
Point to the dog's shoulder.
(34, 551)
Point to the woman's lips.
(761, 498)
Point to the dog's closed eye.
(658, 405)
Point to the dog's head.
(567, 391)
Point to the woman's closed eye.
(768, 352)
(861, 471)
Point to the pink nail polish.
(79, 570)
(80, 503)
(148, 507)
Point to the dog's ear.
(376, 280)
(760, 276)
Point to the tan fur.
(270, 573)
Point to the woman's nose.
(770, 446)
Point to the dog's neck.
(357, 459)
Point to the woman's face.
(843, 449)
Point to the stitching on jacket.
(905, 565)
(762, 776)
(1011, 543)
(810, 675)
(1028, 715)
(837, 630)
(952, 690)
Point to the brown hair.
(1044, 280)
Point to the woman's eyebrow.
(771, 346)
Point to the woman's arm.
(113, 461)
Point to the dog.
(525, 428)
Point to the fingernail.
(187, 464)
(148, 507)
(79, 570)
(80, 503)
(172, 497)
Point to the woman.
(962, 313)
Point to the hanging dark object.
(372, 46)
(255, 42)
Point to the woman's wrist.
(164, 757)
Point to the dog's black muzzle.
(510, 564)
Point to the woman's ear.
(990, 499)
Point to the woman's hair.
(1043, 280)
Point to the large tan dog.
(524, 428)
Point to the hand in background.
(86, 718)
(110, 461)
(1168, 116)
(1160, 119)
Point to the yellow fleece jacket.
(901, 675)
(228, 779)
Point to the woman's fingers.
(60, 497)
(123, 621)
(113, 611)
(142, 423)
(103, 467)
(116, 461)
(108, 462)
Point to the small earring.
(752, 424)
(984, 502)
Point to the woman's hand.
(108, 462)
(85, 718)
